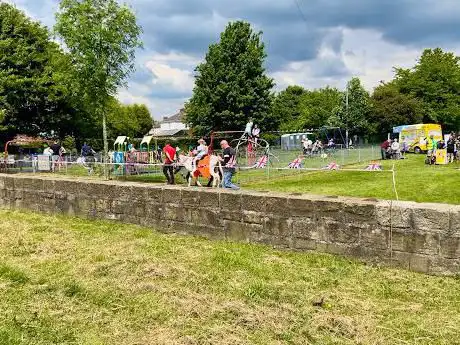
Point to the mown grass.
(73, 281)
(415, 181)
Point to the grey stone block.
(412, 242)
(307, 228)
(209, 199)
(230, 200)
(450, 247)
(277, 226)
(190, 197)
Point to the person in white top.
(395, 149)
(248, 129)
(200, 151)
(48, 151)
(307, 146)
(255, 133)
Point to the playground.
(414, 180)
(261, 167)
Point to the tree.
(435, 81)
(133, 120)
(318, 106)
(298, 109)
(101, 36)
(34, 94)
(286, 107)
(354, 110)
(391, 108)
(231, 85)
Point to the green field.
(414, 181)
(71, 281)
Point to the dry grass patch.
(72, 281)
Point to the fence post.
(359, 154)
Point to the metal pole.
(346, 104)
(106, 145)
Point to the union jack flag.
(373, 166)
(332, 166)
(295, 164)
(261, 163)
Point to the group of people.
(311, 148)
(451, 146)
(56, 152)
(393, 149)
(252, 131)
(396, 150)
(227, 159)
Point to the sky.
(313, 43)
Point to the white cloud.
(364, 53)
(165, 75)
(158, 107)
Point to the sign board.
(441, 157)
(44, 163)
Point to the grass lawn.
(414, 181)
(73, 281)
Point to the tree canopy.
(102, 37)
(231, 85)
(34, 94)
(435, 82)
(132, 120)
(391, 108)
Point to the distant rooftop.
(179, 117)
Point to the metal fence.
(278, 164)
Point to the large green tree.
(101, 37)
(435, 80)
(35, 93)
(231, 85)
(286, 107)
(298, 109)
(132, 120)
(391, 108)
(355, 109)
(319, 106)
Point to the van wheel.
(417, 150)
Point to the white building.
(170, 126)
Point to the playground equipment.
(250, 152)
(24, 142)
(147, 152)
(120, 147)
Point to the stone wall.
(420, 237)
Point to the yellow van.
(415, 135)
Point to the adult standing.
(451, 148)
(87, 154)
(168, 169)
(229, 161)
(56, 154)
(384, 148)
(431, 146)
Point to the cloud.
(327, 43)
